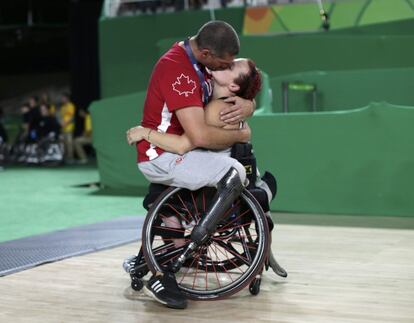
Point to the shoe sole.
(149, 293)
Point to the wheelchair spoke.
(228, 260)
(180, 215)
(195, 206)
(217, 256)
(187, 271)
(214, 267)
(195, 275)
(239, 226)
(188, 211)
(234, 252)
(233, 220)
(172, 239)
(249, 236)
(162, 229)
(245, 247)
(225, 254)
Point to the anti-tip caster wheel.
(254, 286)
(137, 284)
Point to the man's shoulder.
(175, 58)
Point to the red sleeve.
(180, 87)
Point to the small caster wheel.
(254, 286)
(137, 284)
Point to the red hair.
(249, 83)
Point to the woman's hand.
(238, 111)
(136, 134)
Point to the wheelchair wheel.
(227, 262)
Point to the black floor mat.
(21, 254)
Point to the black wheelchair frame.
(235, 255)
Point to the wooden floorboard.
(336, 274)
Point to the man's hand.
(238, 111)
(136, 134)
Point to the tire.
(227, 262)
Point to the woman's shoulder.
(212, 112)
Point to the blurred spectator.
(24, 110)
(85, 139)
(4, 138)
(196, 4)
(142, 6)
(3, 141)
(67, 121)
(44, 99)
(31, 118)
(49, 126)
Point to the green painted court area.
(40, 200)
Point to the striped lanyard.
(197, 69)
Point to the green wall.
(341, 90)
(301, 17)
(281, 55)
(128, 45)
(355, 161)
(358, 161)
(351, 162)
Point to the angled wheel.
(227, 262)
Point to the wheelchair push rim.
(227, 262)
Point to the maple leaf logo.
(184, 86)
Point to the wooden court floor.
(336, 274)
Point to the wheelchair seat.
(154, 190)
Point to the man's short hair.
(219, 37)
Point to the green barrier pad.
(351, 162)
(348, 162)
(111, 118)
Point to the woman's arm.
(180, 144)
(169, 142)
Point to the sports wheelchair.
(233, 257)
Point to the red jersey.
(174, 85)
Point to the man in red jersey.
(179, 88)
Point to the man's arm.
(205, 136)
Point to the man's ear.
(205, 52)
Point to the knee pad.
(243, 152)
(271, 182)
(261, 197)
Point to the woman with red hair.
(241, 79)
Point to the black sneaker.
(164, 289)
